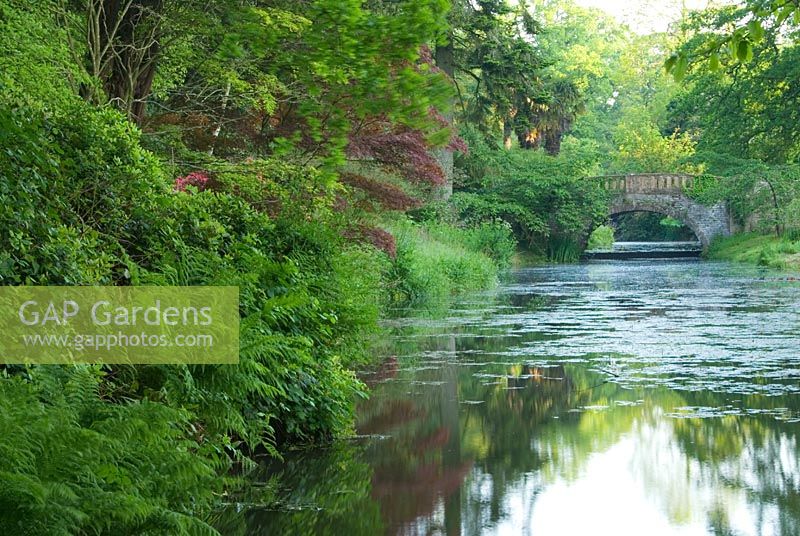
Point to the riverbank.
(763, 250)
(436, 260)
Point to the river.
(608, 398)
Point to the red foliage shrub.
(403, 149)
(388, 195)
(376, 236)
(340, 203)
(456, 143)
(400, 149)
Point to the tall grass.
(493, 239)
(563, 251)
(765, 250)
(435, 261)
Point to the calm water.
(618, 398)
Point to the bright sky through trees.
(648, 16)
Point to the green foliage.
(528, 79)
(83, 203)
(435, 261)
(638, 110)
(746, 111)
(268, 100)
(563, 250)
(754, 248)
(743, 109)
(627, 92)
(36, 66)
(67, 184)
(277, 187)
(601, 238)
(642, 149)
(74, 463)
(358, 277)
(545, 199)
(761, 197)
(495, 60)
(492, 238)
(732, 34)
(296, 79)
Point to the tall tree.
(496, 63)
(747, 110)
(120, 43)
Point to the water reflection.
(651, 398)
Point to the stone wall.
(663, 193)
(662, 183)
(706, 222)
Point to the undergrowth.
(764, 250)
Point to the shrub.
(197, 179)
(43, 239)
(36, 66)
(142, 449)
(495, 239)
(601, 238)
(545, 199)
(277, 188)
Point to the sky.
(646, 16)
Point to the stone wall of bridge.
(664, 194)
(650, 183)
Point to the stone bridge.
(665, 194)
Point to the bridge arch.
(658, 208)
(665, 194)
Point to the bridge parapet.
(647, 183)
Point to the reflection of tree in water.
(321, 492)
(383, 372)
(506, 425)
(488, 419)
(418, 466)
(503, 429)
(463, 425)
(757, 456)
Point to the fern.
(75, 464)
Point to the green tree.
(731, 33)
(496, 65)
(748, 110)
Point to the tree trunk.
(552, 143)
(123, 38)
(451, 453)
(777, 215)
(444, 60)
(508, 130)
(218, 129)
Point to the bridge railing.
(662, 183)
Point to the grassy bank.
(765, 250)
(437, 260)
